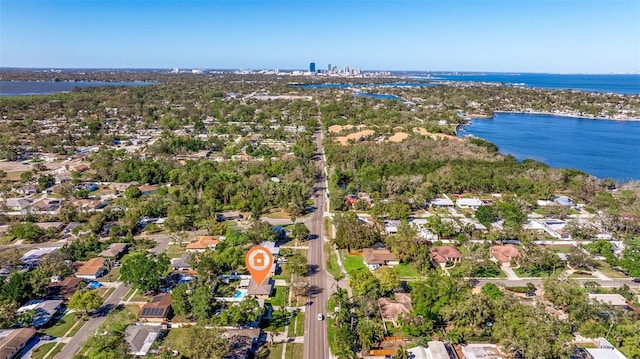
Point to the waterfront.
(601, 148)
(26, 88)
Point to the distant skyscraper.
(312, 67)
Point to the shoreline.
(558, 114)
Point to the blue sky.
(567, 36)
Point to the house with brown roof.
(157, 310)
(440, 256)
(376, 258)
(203, 243)
(504, 254)
(262, 291)
(114, 250)
(64, 289)
(391, 309)
(148, 189)
(13, 341)
(92, 269)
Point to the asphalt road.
(92, 324)
(316, 344)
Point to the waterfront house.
(440, 256)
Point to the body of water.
(623, 84)
(379, 96)
(24, 88)
(601, 148)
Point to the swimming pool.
(239, 294)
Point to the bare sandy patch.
(399, 137)
(335, 128)
(357, 136)
(435, 136)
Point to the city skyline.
(485, 36)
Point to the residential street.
(92, 324)
(316, 345)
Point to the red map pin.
(259, 260)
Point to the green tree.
(369, 333)
(300, 232)
(133, 192)
(486, 215)
(297, 264)
(46, 181)
(26, 176)
(180, 300)
(200, 302)
(144, 271)
(389, 279)
(85, 300)
(205, 343)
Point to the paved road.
(316, 344)
(92, 324)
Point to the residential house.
(13, 341)
(43, 311)
(141, 338)
(440, 256)
(32, 257)
(68, 229)
(391, 226)
(28, 189)
(482, 351)
(376, 258)
(262, 291)
(563, 201)
(504, 254)
(64, 289)
(615, 300)
(148, 189)
(605, 350)
(80, 168)
(47, 204)
(92, 269)
(62, 177)
(114, 251)
(203, 243)
(157, 310)
(470, 203)
(435, 350)
(17, 204)
(391, 309)
(441, 203)
(182, 264)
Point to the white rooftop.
(612, 299)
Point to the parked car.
(530, 294)
(320, 317)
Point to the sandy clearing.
(399, 137)
(435, 136)
(344, 140)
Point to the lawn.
(352, 263)
(606, 269)
(129, 294)
(176, 339)
(281, 297)
(62, 326)
(332, 262)
(294, 351)
(42, 350)
(113, 275)
(275, 352)
(331, 332)
(296, 325)
(406, 270)
(283, 273)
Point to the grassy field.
(296, 326)
(406, 270)
(281, 297)
(62, 326)
(352, 263)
